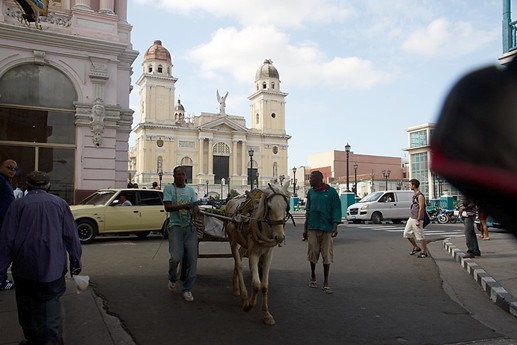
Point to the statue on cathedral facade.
(222, 103)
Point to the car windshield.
(98, 198)
(371, 197)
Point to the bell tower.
(268, 102)
(157, 86)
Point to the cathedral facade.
(218, 150)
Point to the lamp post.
(386, 174)
(294, 182)
(222, 184)
(355, 177)
(160, 176)
(282, 178)
(250, 153)
(207, 188)
(347, 149)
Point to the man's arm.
(421, 207)
(71, 239)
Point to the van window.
(371, 197)
(388, 197)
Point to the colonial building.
(218, 150)
(64, 93)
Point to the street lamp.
(386, 174)
(251, 152)
(294, 182)
(282, 178)
(207, 188)
(222, 184)
(347, 149)
(160, 176)
(355, 177)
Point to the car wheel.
(87, 230)
(377, 218)
(443, 218)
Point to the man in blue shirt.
(178, 200)
(38, 232)
(322, 216)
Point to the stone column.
(210, 157)
(201, 158)
(244, 160)
(234, 158)
(106, 6)
(121, 9)
(82, 4)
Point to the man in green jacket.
(322, 216)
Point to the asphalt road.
(381, 294)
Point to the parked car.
(378, 206)
(102, 214)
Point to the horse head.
(273, 210)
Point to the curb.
(493, 289)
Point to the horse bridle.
(266, 213)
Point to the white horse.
(257, 226)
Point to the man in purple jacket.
(37, 233)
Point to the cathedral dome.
(267, 71)
(157, 52)
(179, 106)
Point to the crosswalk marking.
(400, 229)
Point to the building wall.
(92, 47)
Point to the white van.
(378, 206)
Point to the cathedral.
(220, 153)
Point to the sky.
(356, 71)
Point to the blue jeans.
(39, 309)
(183, 244)
(470, 236)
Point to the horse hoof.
(269, 321)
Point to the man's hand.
(305, 235)
(7, 285)
(334, 233)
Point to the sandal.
(486, 238)
(415, 250)
(327, 290)
(313, 284)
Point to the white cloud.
(441, 38)
(240, 53)
(285, 13)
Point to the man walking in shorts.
(415, 223)
(322, 216)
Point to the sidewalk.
(85, 321)
(495, 270)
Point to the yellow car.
(102, 213)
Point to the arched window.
(264, 85)
(221, 149)
(37, 123)
(273, 85)
(257, 119)
(160, 68)
(150, 69)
